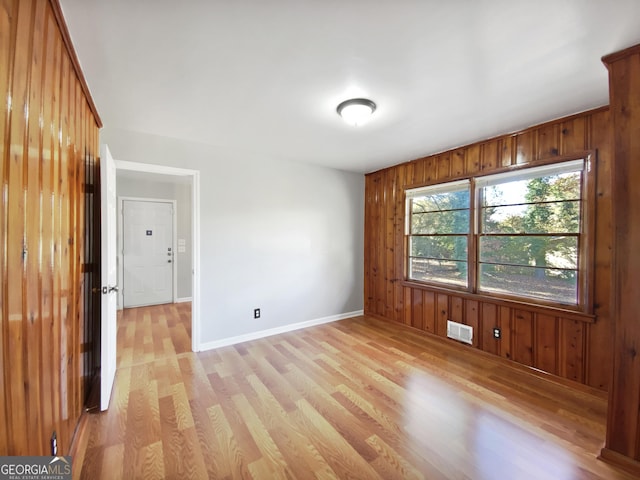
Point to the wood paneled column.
(623, 424)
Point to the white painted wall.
(181, 193)
(281, 236)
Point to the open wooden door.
(109, 275)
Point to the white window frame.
(449, 187)
(475, 184)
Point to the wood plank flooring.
(360, 398)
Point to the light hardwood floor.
(360, 398)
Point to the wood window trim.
(584, 308)
(503, 301)
(511, 168)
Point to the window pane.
(441, 201)
(556, 285)
(446, 248)
(556, 217)
(456, 221)
(566, 186)
(550, 252)
(526, 231)
(444, 271)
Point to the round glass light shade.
(356, 111)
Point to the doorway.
(148, 251)
(192, 177)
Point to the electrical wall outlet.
(256, 313)
(497, 333)
(54, 444)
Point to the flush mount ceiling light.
(356, 111)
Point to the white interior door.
(109, 279)
(147, 231)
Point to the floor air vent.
(458, 331)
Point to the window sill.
(557, 311)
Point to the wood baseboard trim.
(76, 451)
(621, 461)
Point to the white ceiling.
(265, 76)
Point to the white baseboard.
(225, 342)
(183, 300)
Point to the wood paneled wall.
(49, 128)
(565, 344)
(623, 422)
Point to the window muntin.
(527, 229)
(438, 226)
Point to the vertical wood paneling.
(389, 259)
(370, 272)
(458, 162)
(407, 306)
(537, 338)
(444, 166)
(15, 358)
(429, 311)
(572, 347)
(573, 135)
(33, 323)
(62, 240)
(546, 330)
(489, 158)
(398, 246)
(46, 226)
(4, 30)
(549, 141)
(525, 147)
(505, 152)
(55, 232)
(418, 172)
(369, 209)
(471, 318)
(46, 128)
(416, 310)
(523, 337)
(77, 228)
(623, 423)
(489, 321)
(473, 159)
(378, 282)
(430, 169)
(7, 37)
(599, 355)
(442, 314)
(456, 306)
(506, 322)
(408, 169)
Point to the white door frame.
(195, 233)
(174, 242)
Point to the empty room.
(298, 239)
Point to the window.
(528, 233)
(439, 233)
